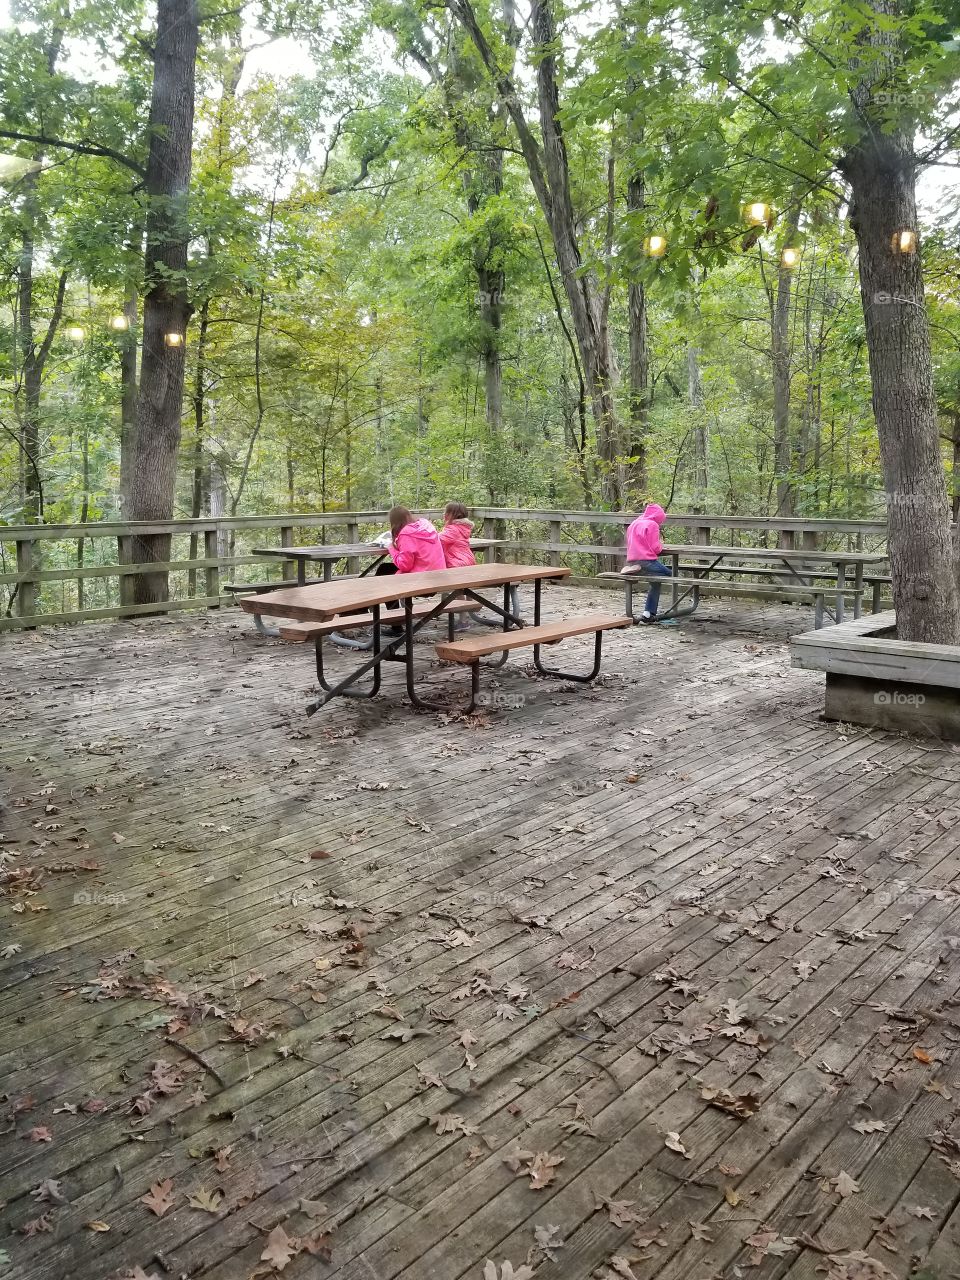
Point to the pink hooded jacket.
(643, 536)
(455, 538)
(417, 548)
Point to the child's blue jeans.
(653, 595)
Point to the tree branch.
(54, 320)
(83, 148)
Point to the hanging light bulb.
(757, 213)
(904, 241)
(173, 339)
(119, 323)
(75, 333)
(655, 246)
(790, 257)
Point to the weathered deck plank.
(696, 765)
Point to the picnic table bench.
(805, 571)
(423, 597)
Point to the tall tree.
(166, 305)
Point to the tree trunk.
(166, 308)
(638, 373)
(549, 174)
(780, 359)
(881, 171)
(699, 438)
(200, 481)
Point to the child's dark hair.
(454, 511)
(400, 517)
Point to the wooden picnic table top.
(326, 600)
(340, 551)
(773, 553)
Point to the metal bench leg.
(266, 630)
(344, 689)
(567, 675)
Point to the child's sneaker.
(632, 566)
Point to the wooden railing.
(578, 538)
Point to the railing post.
(556, 530)
(353, 535)
(288, 567)
(28, 564)
(211, 551)
(702, 535)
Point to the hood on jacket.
(654, 512)
(459, 528)
(419, 528)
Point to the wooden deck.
(379, 996)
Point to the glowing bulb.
(75, 333)
(119, 323)
(905, 241)
(758, 213)
(655, 246)
(173, 339)
(790, 257)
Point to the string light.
(119, 323)
(655, 246)
(75, 333)
(905, 241)
(173, 339)
(757, 214)
(790, 257)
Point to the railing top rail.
(207, 524)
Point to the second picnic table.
(328, 555)
(800, 565)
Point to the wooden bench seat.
(299, 632)
(472, 648)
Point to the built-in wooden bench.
(299, 632)
(472, 648)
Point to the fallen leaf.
(118, 838)
(620, 1265)
(506, 1272)
(98, 1226)
(699, 1232)
(672, 1140)
(741, 1105)
(921, 1055)
(547, 1239)
(222, 1158)
(858, 1266)
(451, 1122)
(39, 1133)
(620, 1211)
(312, 1208)
(208, 1201)
(870, 1126)
(919, 1212)
(280, 1249)
(843, 1184)
(159, 1199)
(732, 1197)
(48, 1192)
(429, 1079)
(319, 853)
(734, 1011)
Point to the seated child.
(416, 543)
(455, 536)
(643, 548)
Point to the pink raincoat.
(417, 548)
(455, 538)
(643, 536)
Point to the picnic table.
(329, 554)
(361, 601)
(802, 567)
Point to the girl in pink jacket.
(416, 543)
(455, 536)
(643, 548)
